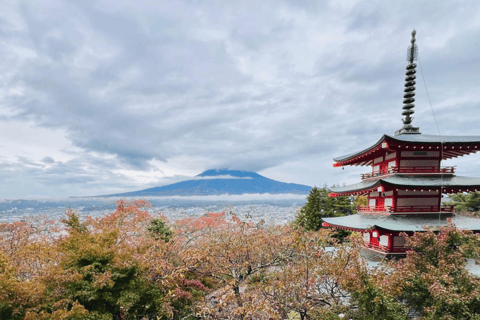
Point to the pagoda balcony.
(408, 170)
(375, 210)
(386, 249)
(423, 209)
(403, 209)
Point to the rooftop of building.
(422, 139)
(402, 181)
(402, 223)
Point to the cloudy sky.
(109, 96)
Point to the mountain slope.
(217, 182)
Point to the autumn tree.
(361, 201)
(226, 254)
(89, 269)
(433, 280)
(310, 285)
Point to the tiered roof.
(449, 183)
(453, 146)
(409, 138)
(401, 223)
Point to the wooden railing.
(424, 209)
(409, 170)
(387, 209)
(385, 249)
(374, 209)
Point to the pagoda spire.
(409, 96)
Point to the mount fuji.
(220, 182)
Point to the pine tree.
(320, 205)
(465, 202)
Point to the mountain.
(217, 182)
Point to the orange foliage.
(216, 268)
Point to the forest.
(136, 264)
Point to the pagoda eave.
(450, 184)
(400, 223)
(449, 147)
(405, 186)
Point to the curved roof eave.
(400, 223)
(411, 181)
(354, 154)
(415, 138)
(364, 185)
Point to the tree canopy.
(211, 267)
(469, 202)
(320, 205)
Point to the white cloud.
(230, 197)
(226, 176)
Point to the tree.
(226, 255)
(361, 201)
(469, 202)
(159, 230)
(309, 286)
(88, 270)
(433, 280)
(320, 205)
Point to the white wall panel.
(366, 237)
(383, 240)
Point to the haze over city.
(100, 97)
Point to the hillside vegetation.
(132, 264)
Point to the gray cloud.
(48, 160)
(247, 85)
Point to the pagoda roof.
(399, 180)
(401, 223)
(418, 139)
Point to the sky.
(101, 97)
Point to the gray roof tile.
(415, 138)
(402, 223)
(413, 181)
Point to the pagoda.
(406, 182)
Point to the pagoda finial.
(408, 102)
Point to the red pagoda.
(406, 183)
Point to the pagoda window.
(422, 154)
(391, 156)
(383, 240)
(417, 202)
(416, 193)
(419, 165)
(376, 168)
(388, 202)
(372, 202)
(377, 160)
(374, 234)
(399, 241)
(366, 237)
